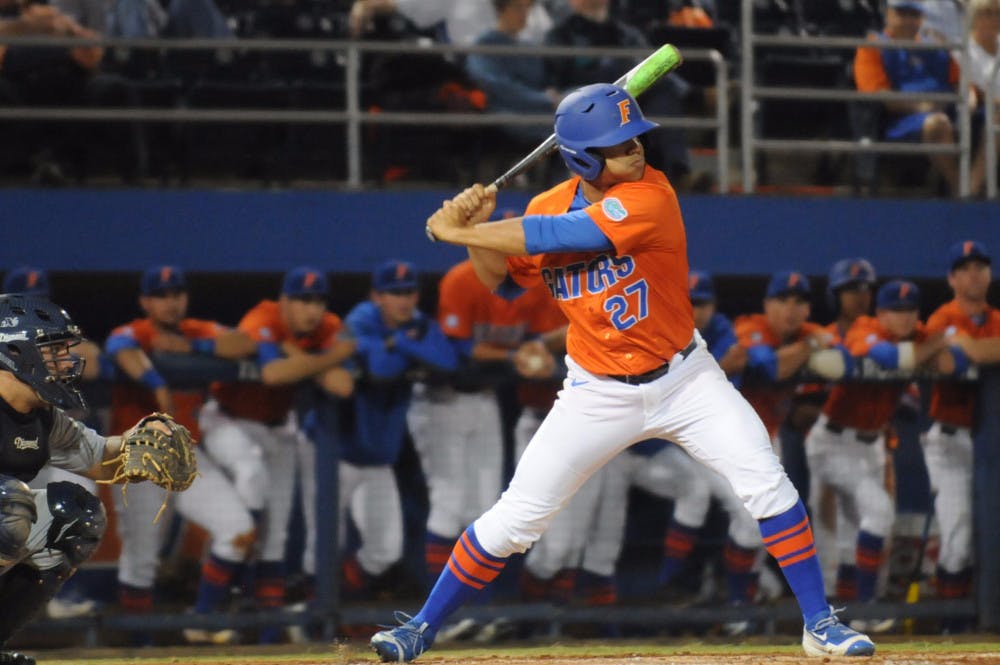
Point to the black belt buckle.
(653, 374)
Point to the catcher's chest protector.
(24, 442)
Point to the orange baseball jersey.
(867, 406)
(770, 401)
(131, 401)
(953, 402)
(628, 308)
(468, 310)
(256, 401)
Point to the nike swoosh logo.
(577, 382)
(821, 636)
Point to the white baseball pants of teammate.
(855, 469)
(835, 530)
(211, 502)
(260, 459)
(589, 531)
(306, 453)
(948, 455)
(459, 439)
(672, 474)
(372, 497)
(597, 417)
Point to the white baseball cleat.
(825, 635)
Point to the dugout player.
(250, 434)
(211, 501)
(396, 343)
(972, 329)
(455, 424)
(44, 534)
(610, 245)
(846, 448)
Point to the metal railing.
(991, 132)
(353, 116)
(751, 93)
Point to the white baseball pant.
(596, 417)
(948, 455)
(211, 502)
(459, 439)
(261, 461)
(371, 496)
(855, 469)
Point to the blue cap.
(898, 294)
(27, 280)
(913, 5)
(304, 281)
(967, 250)
(392, 275)
(700, 286)
(788, 282)
(160, 279)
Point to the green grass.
(359, 653)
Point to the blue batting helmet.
(596, 116)
(846, 272)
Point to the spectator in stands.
(149, 18)
(591, 25)
(458, 21)
(876, 70)
(31, 75)
(984, 54)
(513, 84)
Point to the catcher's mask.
(36, 337)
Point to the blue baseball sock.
(470, 569)
(788, 538)
(213, 587)
(869, 558)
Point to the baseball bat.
(636, 81)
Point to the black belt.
(950, 430)
(653, 374)
(863, 437)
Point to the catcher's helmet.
(847, 272)
(35, 337)
(596, 116)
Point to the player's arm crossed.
(126, 352)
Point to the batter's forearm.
(505, 236)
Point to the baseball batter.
(211, 501)
(610, 245)
(972, 329)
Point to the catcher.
(46, 534)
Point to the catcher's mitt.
(150, 454)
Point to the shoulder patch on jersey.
(756, 337)
(265, 333)
(614, 209)
(451, 321)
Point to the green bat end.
(664, 60)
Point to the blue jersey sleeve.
(570, 232)
(433, 348)
(268, 352)
(720, 336)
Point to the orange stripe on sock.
(479, 558)
(215, 574)
(462, 577)
(678, 545)
(801, 557)
(787, 532)
(463, 558)
(792, 544)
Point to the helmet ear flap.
(587, 164)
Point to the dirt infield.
(934, 651)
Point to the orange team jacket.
(628, 308)
(771, 401)
(131, 401)
(256, 401)
(867, 406)
(953, 402)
